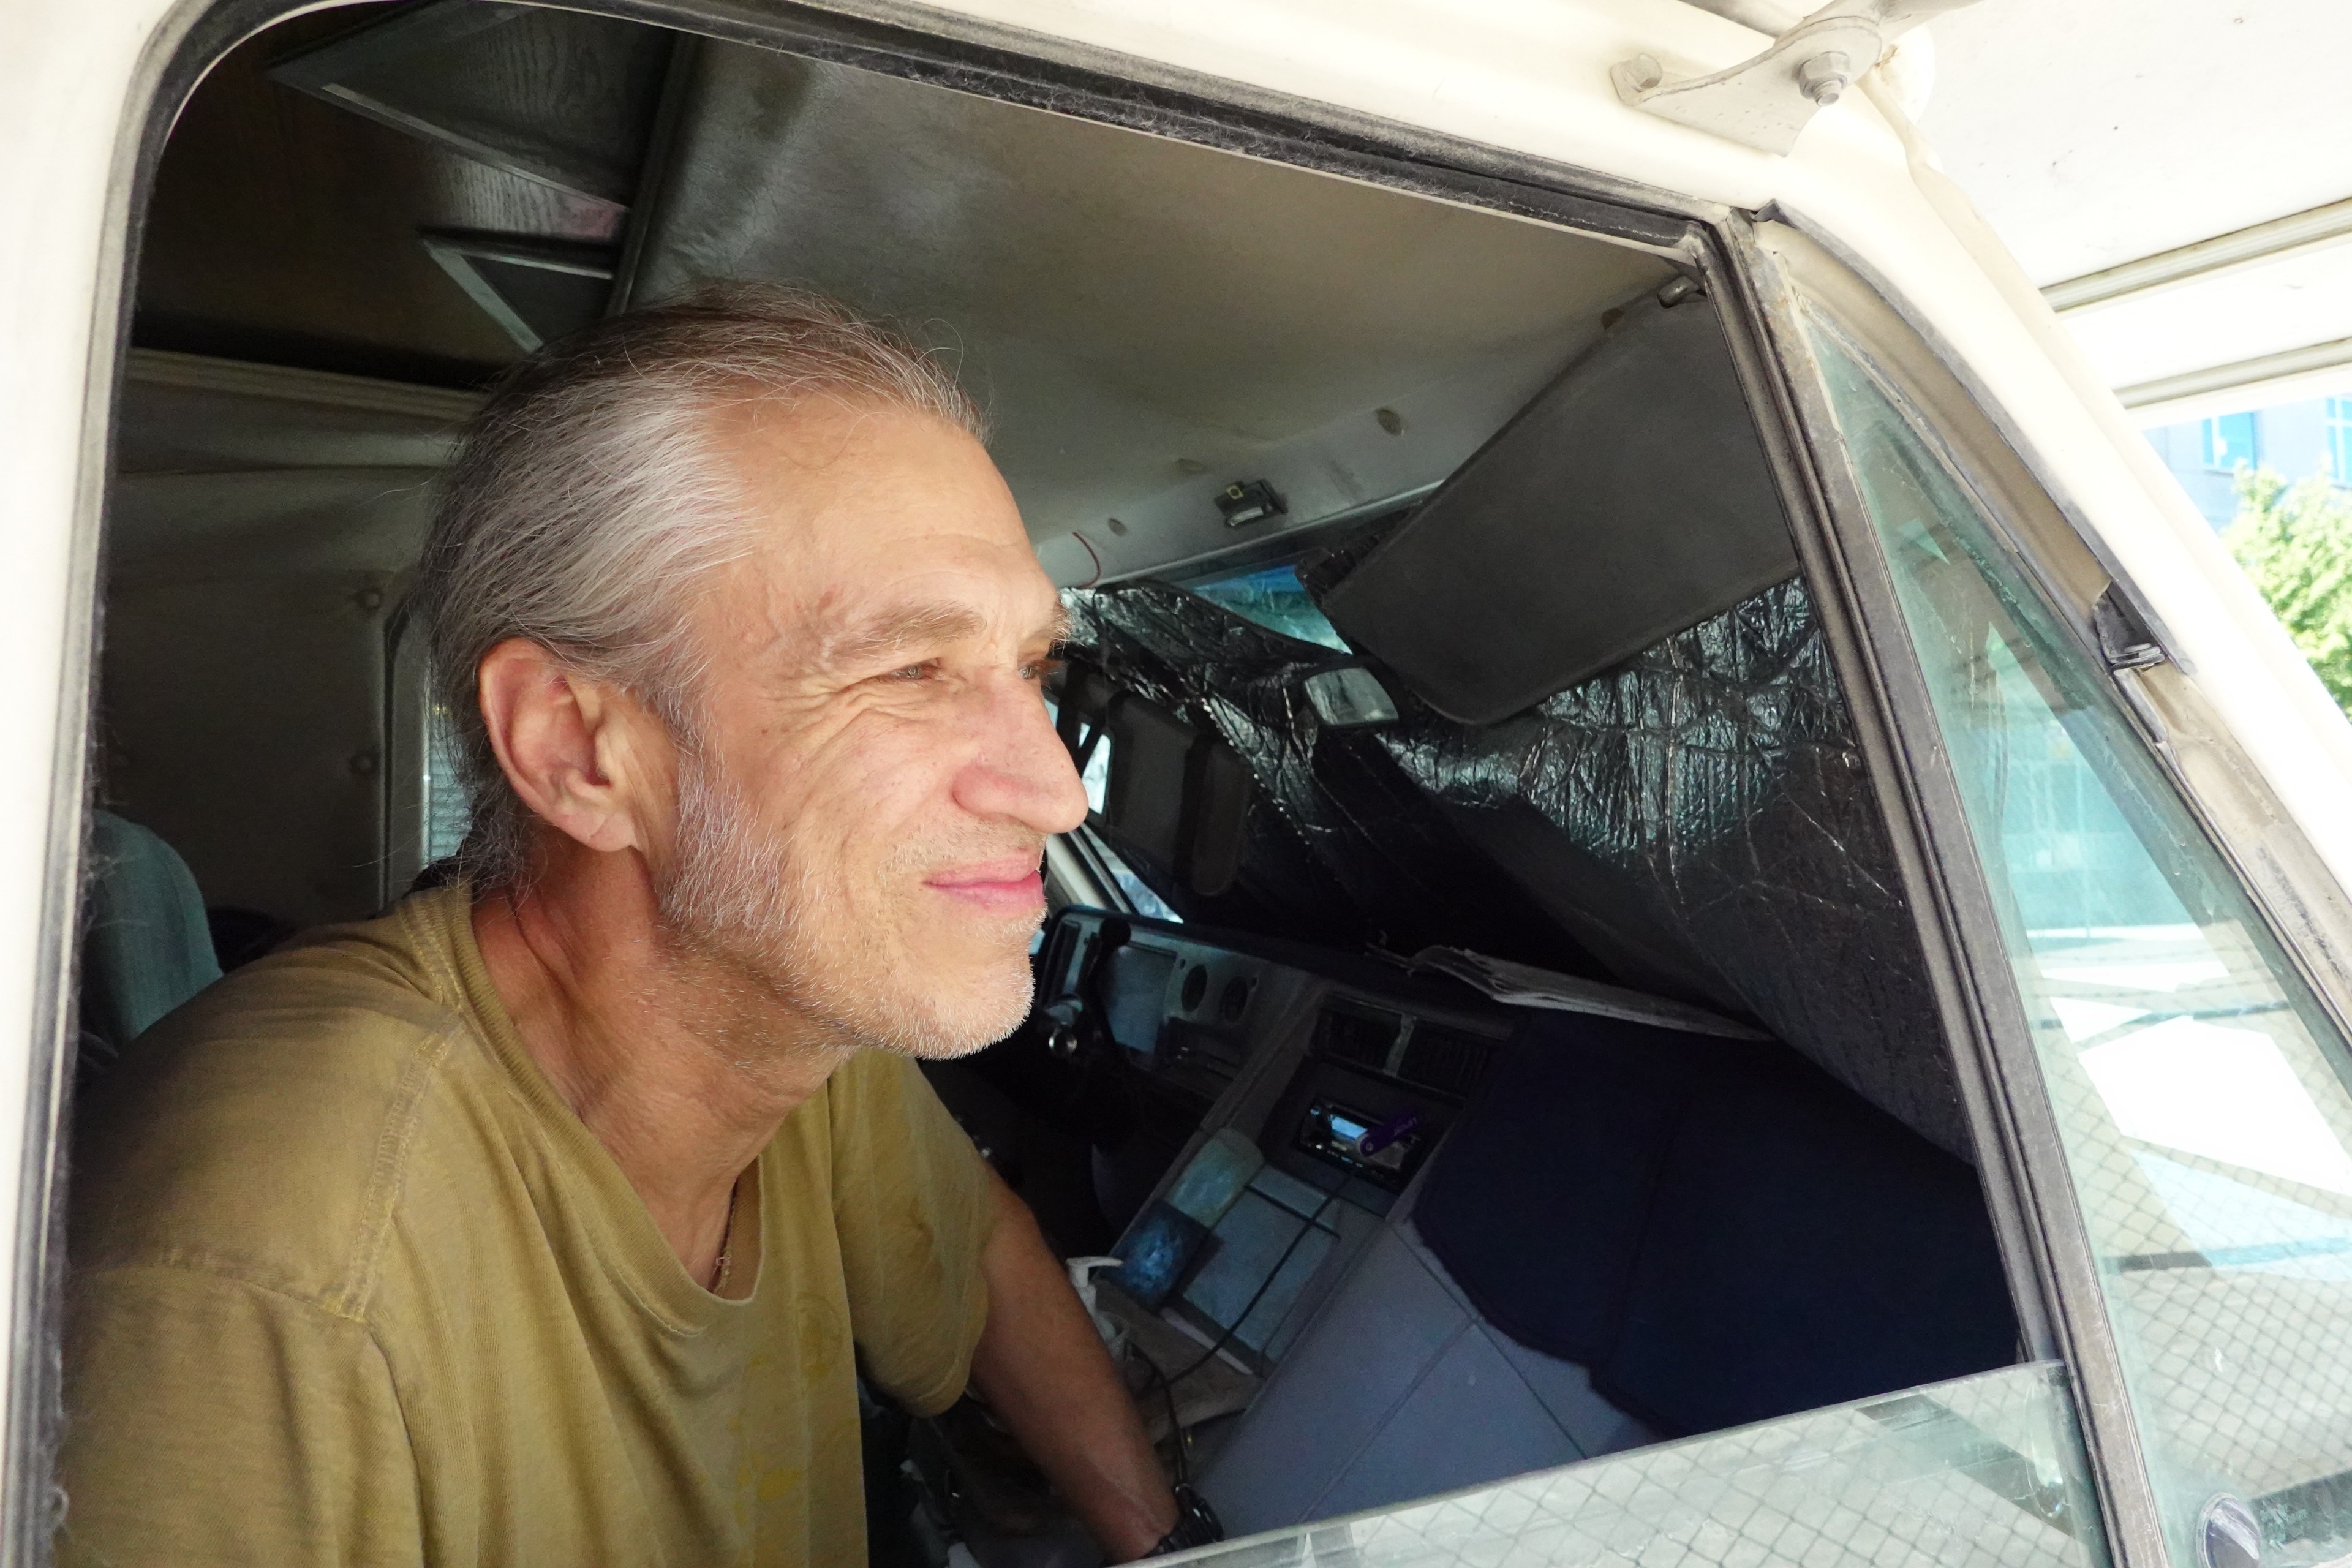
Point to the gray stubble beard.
(738, 907)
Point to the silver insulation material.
(1698, 821)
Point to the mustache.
(927, 859)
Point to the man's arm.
(215, 1423)
(1044, 1370)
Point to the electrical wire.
(1180, 1434)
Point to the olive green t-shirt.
(353, 1285)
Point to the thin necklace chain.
(726, 1242)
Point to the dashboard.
(1304, 1090)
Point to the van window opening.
(1504, 968)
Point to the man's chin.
(952, 1005)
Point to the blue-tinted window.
(2339, 440)
(1274, 597)
(2230, 441)
(2200, 1087)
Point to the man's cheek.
(866, 821)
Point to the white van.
(1714, 928)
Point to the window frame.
(2299, 902)
(1710, 242)
(2019, 1156)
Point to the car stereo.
(1382, 1150)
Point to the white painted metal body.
(1530, 74)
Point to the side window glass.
(1984, 1469)
(448, 812)
(1134, 889)
(1105, 861)
(427, 811)
(2200, 1087)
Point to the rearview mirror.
(1349, 696)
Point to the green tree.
(2295, 542)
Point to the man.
(549, 1218)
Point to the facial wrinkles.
(813, 933)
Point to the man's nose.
(1022, 771)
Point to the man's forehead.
(905, 535)
(818, 464)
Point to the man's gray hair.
(586, 498)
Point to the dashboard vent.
(1446, 1060)
(1350, 1031)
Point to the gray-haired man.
(545, 1219)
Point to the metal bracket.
(1767, 102)
(2124, 640)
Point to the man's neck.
(682, 1070)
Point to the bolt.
(1644, 72)
(1119, 528)
(370, 598)
(1825, 77)
(1390, 420)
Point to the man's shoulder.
(263, 1131)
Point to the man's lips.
(1011, 884)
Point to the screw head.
(1644, 72)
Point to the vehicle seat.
(1399, 1389)
(145, 946)
(1632, 1234)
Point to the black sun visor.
(1628, 502)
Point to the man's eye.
(915, 672)
(1039, 670)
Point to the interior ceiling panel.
(1142, 318)
(563, 97)
(285, 227)
(426, 196)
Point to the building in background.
(2294, 440)
(2175, 176)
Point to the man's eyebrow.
(872, 640)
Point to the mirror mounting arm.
(1767, 102)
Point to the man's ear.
(577, 750)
